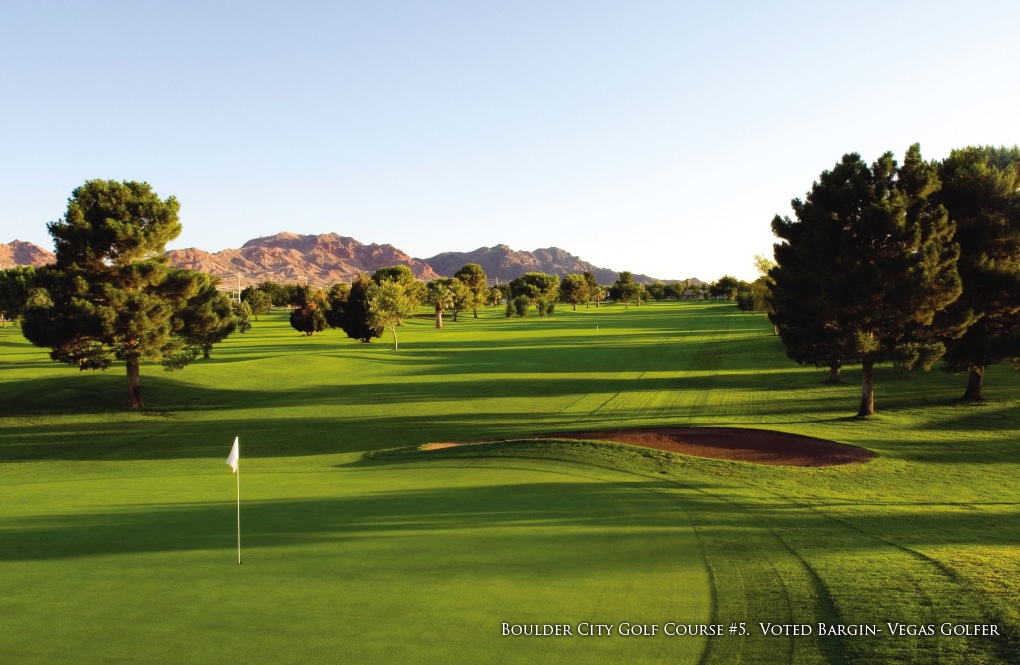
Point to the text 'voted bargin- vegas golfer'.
(741, 629)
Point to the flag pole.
(239, 510)
(234, 462)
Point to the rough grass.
(117, 532)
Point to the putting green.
(354, 564)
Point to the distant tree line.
(356, 308)
(314, 309)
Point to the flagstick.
(239, 511)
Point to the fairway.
(117, 528)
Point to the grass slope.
(116, 528)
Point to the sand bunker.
(757, 446)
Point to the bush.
(242, 312)
(545, 307)
(308, 319)
(521, 304)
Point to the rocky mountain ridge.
(20, 253)
(288, 257)
(503, 263)
(329, 258)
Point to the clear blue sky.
(656, 137)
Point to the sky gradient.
(656, 137)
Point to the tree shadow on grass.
(979, 452)
(540, 507)
(984, 416)
(585, 506)
(348, 418)
(536, 532)
(99, 393)
(335, 429)
(585, 354)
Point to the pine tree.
(207, 319)
(110, 295)
(981, 191)
(864, 269)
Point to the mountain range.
(329, 258)
(19, 253)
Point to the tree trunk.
(393, 329)
(134, 389)
(975, 385)
(439, 318)
(834, 373)
(205, 351)
(476, 313)
(575, 306)
(867, 389)
(455, 312)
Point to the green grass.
(117, 540)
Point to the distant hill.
(501, 262)
(330, 258)
(19, 253)
(289, 257)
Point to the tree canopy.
(625, 289)
(280, 295)
(474, 279)
(656, 290)
(535, 285)
(258, 301)
(596, 291)
(574, 290)
(110, 295)
(726, 287)
(16, 285)
(388, 305)
(206, 319)
(310, 316)
(981, 191)
(413, 290)
(441, 294)
(113, 224)
(755, 297)
(242, 316)
(350, 310)
(865, 267)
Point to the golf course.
(362, 543)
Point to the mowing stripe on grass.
(357, 555)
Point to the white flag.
(233, 456)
